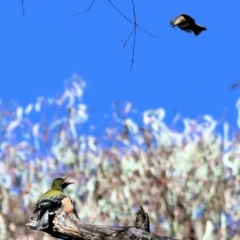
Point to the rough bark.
(65, 224)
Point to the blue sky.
(180, 71)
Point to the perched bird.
(187, 23)
(50, 201)
(142, 220)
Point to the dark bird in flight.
(50, 201)
(187, 23)
(235, 85)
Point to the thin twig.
(132, 21)
(90, 6)
(134, 30)
(23, 9)
(125, 41)
(134, 36)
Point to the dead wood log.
(65, 224)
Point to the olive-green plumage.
(50, 201)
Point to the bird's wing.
(48, 202)
(189, 19)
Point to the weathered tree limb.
(65, 224)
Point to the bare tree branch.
(90, 6)
(65, 224)
(134, 35)
(125, 41)
(133, 21)
(134, 41)
(134, 30)
(23, 9)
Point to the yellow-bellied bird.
(50, 201)
(187, 23)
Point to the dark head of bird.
(60, 183)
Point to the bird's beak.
(172, 22)
(65, 178)
(67, 183)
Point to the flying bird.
(187, 23)
(50, 201)
(235, 85)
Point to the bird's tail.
(198, 29)
(43, 220)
